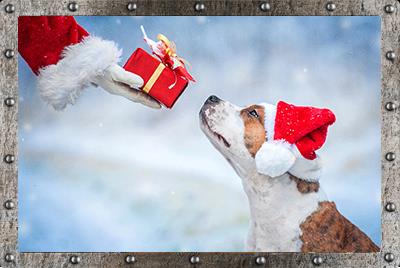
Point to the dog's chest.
(277, 210)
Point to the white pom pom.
(274, 159)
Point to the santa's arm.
(67, 59)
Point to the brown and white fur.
(287, 214)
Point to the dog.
(288, 213)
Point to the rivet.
(199, 7)
(130, 259)
(9, 8)
(9, 53)
(330, 6)
(194, 259)
(9, 204)
(390, 55)
(131, 6)
(9, 158)
(390, 106)
(73, 6)
(265, 6)
(75, 259)
(9, 102)
(389, 257)
(9, 257)
(390, 9)
(390, 207)
(390, 156)
(261, 260)
(317, 260)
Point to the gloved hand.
(117, 81)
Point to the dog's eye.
(253, 113)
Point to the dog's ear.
(274, 158)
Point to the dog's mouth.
(214, 133)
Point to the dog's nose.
(213, 99)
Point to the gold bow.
(170, 48)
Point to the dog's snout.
(213, 99)
(210, 104)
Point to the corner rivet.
(317, 260)
(9, 8)
(390, 106)
(130, 259)
(194, 259)
(199, 7)
(390, 9)
(9, 257)
(131, 6)
(389, 257)
(390, 156)
(9, 158)
(9, 204)
(330, 6)
(390, 55)
(390, 207)
(9, 53)
(73, 6)
(265, 6)
(75, 259)
(9, 102)
(261, 260)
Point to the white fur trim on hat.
(274, 158)
(305, 169)
(269, 120)
(61, 84)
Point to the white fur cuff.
(61, 84)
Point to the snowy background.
(111, 175)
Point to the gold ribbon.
(170, 48)
(153, 78)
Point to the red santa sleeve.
(63, 55)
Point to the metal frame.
(388, 10)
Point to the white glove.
(117, 81)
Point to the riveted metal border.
(388, 10)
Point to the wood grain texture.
(390, 130)
(390, 91)
(212, 7)
(158, 260)
(8, 135)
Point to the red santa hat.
(63, 55)
(294, 133)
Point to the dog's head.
(238, 133)
(251, 143)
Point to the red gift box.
(160, 81)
